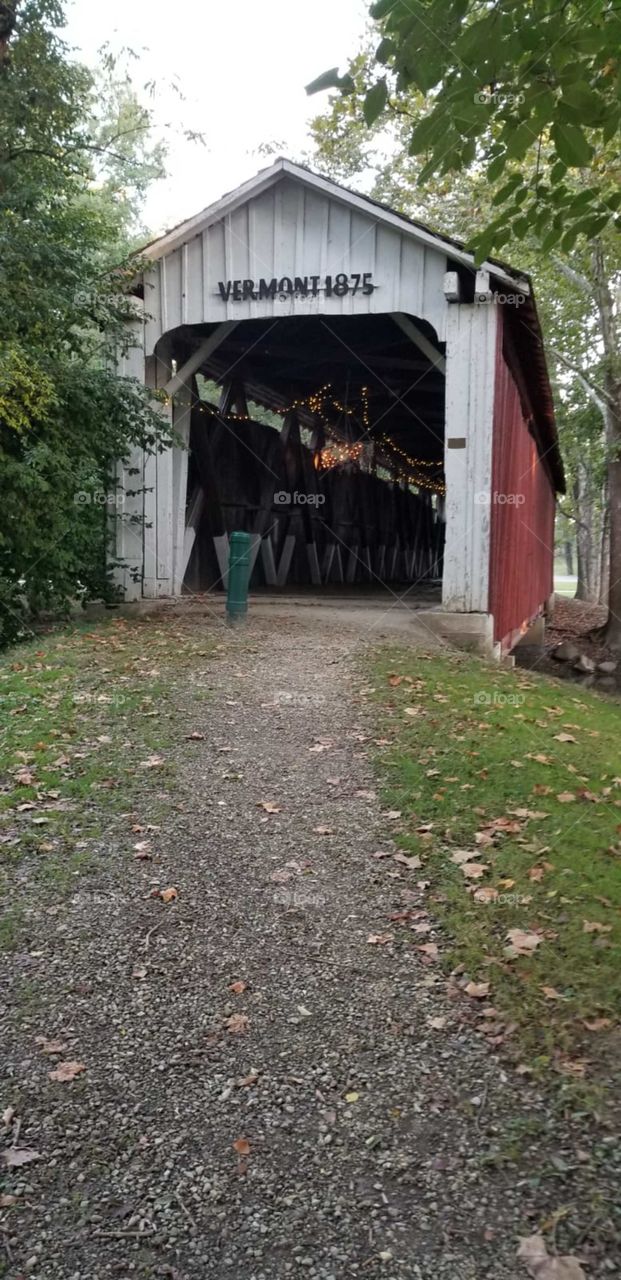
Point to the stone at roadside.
(584, 664)
(607, 668)
(566, 652)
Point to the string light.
(415, 473)
(335, 455)
(407, 470)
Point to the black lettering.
(225, 289)
(367, 282)
(315, 285)
(285, 285)
(268, 289)
(248, 290)
(301, 285)
(237, 295)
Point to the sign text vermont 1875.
(296, 286)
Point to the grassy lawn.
(509, 786)
(84, 715)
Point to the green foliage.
(499, 85)
(65, 212)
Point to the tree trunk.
(604, 575)
(569, 558)
(587, 584)
(612, 386)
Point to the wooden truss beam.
(418, 338)
(202, 353)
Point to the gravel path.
(363, 1128)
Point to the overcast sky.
(242, 67)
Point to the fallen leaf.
(392, 813)
(246, 1082)
(571, 1067)
(474, 870)
(323, 831)
(542, 1266)
(413, 862)
(237, 987)
(381, 854)
(536, 874)
(237, 1023)
(352, 1097)
(24, 777)
(241, 1146)
(477, 990)
(597, 1024)
(429, 951)
(485, 893)
(595, 926)
(168, 895)
(6, 1201)
(66, 1071)
(195, 736)
(436, 1023)
(566, 797)
(522, 942)
(551, 993)
(564, 737)
(50, 1046)
(8, 1116)
(153, 762)
(17, 1156)
(269, 806)
(378, 939)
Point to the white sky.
(241, 65)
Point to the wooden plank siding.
(291, 230)
(522, 504)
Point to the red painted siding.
(523, 502)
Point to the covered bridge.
(349, 389)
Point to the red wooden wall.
(522, 510)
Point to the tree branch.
(575, 277)
(596, 394)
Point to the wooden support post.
(471, 353)
(284, 563)
(127, 521)
(158, 500)
(182, 416)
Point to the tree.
(497, 81)
(64, 414)
(521, 103)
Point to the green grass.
(79, 710)
(482, 742)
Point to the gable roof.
(283, 168)
(529, 339)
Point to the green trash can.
(239, 576)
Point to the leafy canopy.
(65, 416)
(499, 80)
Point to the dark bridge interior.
(324, 437)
